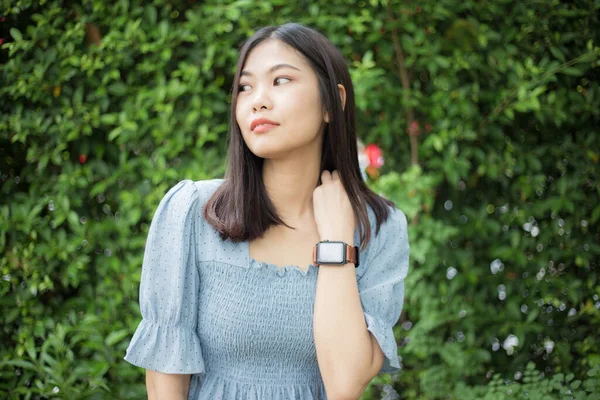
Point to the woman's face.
(277, 84)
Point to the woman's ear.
(342, 91)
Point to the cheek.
(241, 115)
(307, 106)
(238, 112)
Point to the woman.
(235, 304)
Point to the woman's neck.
(290, 183)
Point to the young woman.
(284, 279)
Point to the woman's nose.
(261, 99)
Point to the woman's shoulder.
(185, 196)
(391, 232)
(394, 223)
(188, 190)
(207, 187)
(388, 248)
(205, 183)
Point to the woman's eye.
(279, 79)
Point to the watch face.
(331, 253)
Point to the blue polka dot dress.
(244, 328)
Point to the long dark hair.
(240, 208)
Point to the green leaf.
(571, 71)
(16, 34)
(151, 14)
(116, 336)
(557, 53)
(117, 88)
(20, 364)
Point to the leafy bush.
(535, 387)
(487, 113)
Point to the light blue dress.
(244, 328)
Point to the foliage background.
(488, 115)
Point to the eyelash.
(276, 79)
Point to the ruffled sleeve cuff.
(171, 349)
(384, 334)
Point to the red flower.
(375, 155)
(82, 158)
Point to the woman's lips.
(261, 121)
(264, 128)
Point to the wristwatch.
(335, 253)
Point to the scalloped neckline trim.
(283, 270)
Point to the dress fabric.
(241, 327)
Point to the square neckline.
(279, 269)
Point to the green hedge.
(488, 115)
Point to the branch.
(405, 79)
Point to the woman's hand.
(334, 214)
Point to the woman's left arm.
(354, 317)
(348, 354)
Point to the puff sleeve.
(166, 339)
(381, 287)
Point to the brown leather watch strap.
(352, 254)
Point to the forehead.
(271, 52)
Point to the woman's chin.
(264, 148)
(264, 152)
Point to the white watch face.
(331, 253)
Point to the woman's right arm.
(166, 342)
(167, 386)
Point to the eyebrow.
(272, 69)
